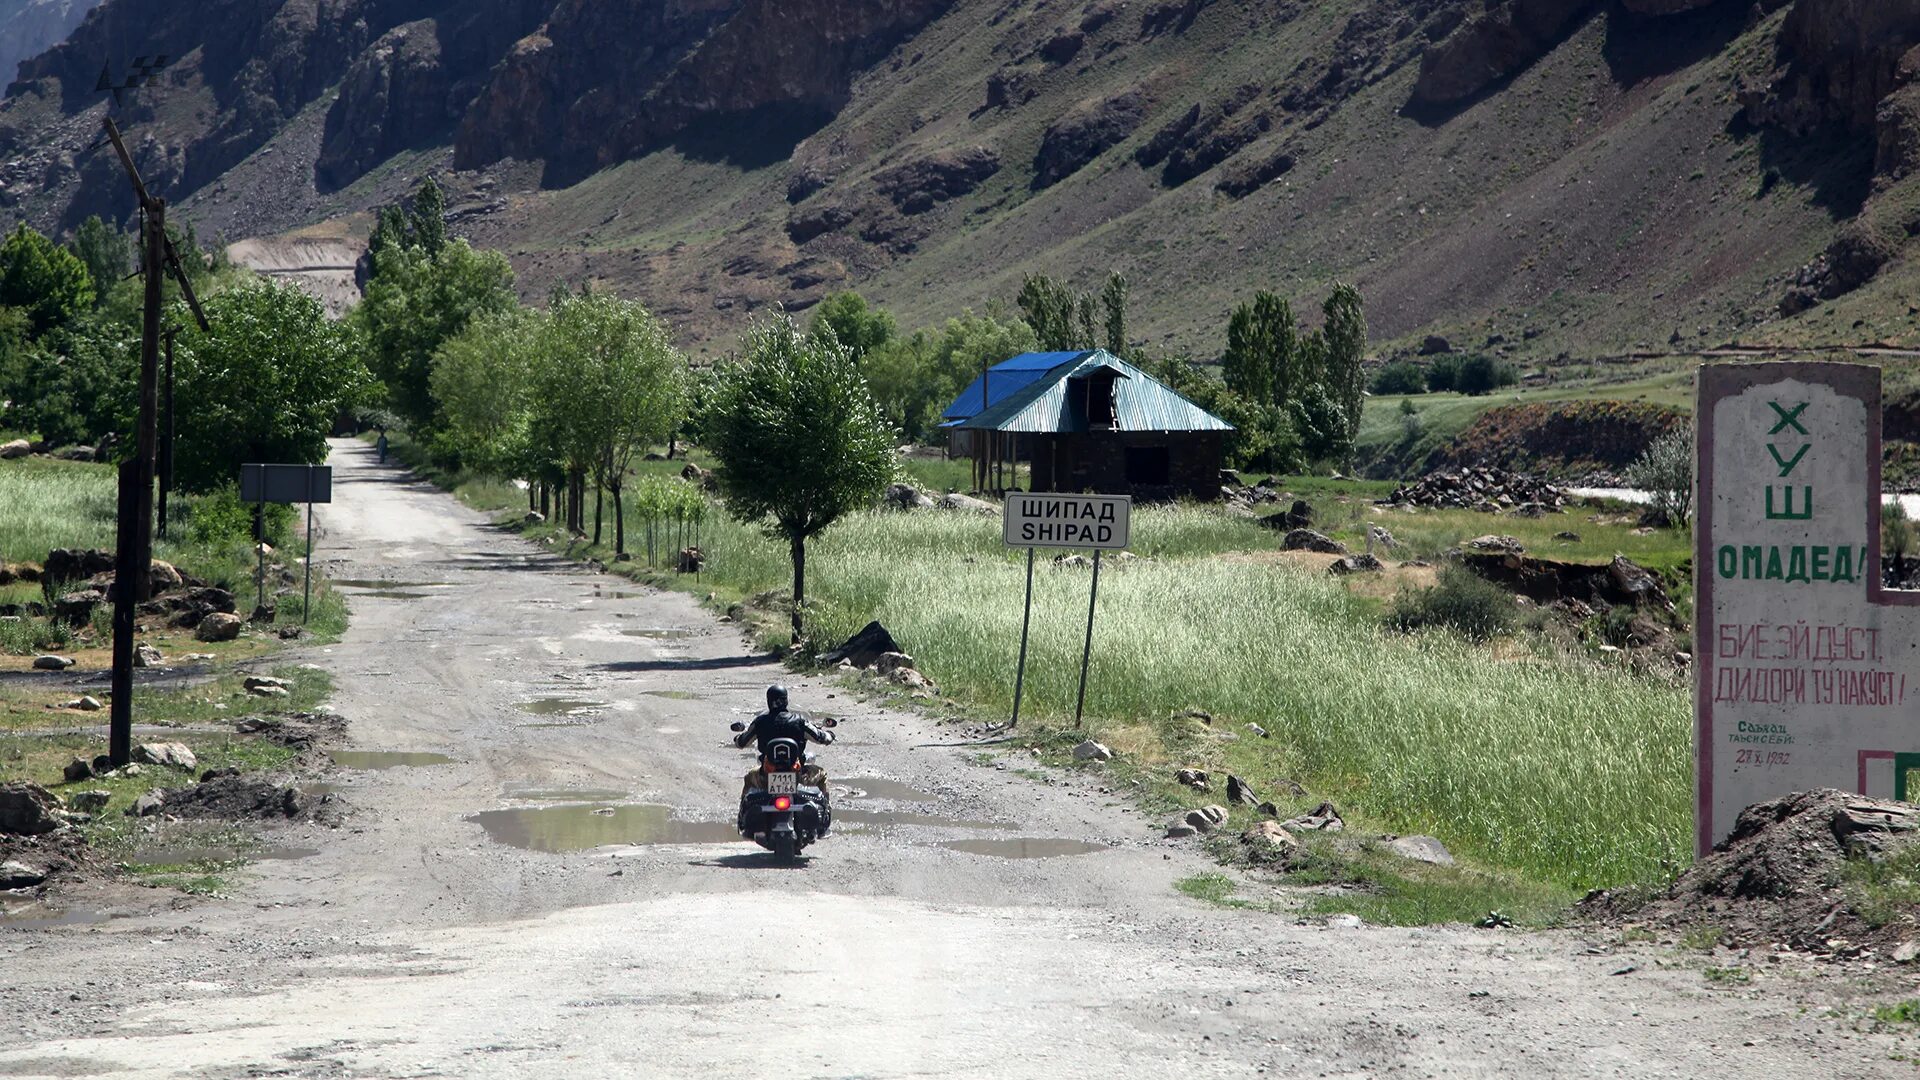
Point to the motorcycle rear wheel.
(784, 847)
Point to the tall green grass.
(1573, 774)
(47, 504)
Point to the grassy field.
(1569, 772)
(47, 504)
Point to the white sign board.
(1804, 662)
(1042, 519)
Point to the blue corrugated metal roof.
(1002, 379)
(1140, 403)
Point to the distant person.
(382, 444)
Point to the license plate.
(783, 783)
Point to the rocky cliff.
(30, 27)
(1533, 177)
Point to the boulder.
(1083, 134)
(911, 678)
(889, 662)
(77, 770)
(1179, 831)
(91, 802)
(77, 607)
(863, 648)
(74, 564)
(1092, 751)
(1424, 849)
(145, 655)
(957, 501)
(690, 560)
(17, 448)
(84, 703)
(1492, 545)
(218, 626)
(16, 875)
(1363, 563)
(27, 809)
(1269, 842)
(1207, 818)
(1239, 791)
(173, 755)
(269, 691)
(52, 663)
(149, 804)
(1435, 345)
(1298, 516)
(906, 497)
(534, 517)
(255, 682)
(919, 186)
(162, 576)
(1324, 818)
(1308, 540)
(1193, 778)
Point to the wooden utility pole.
(133, 553)
(166, 434)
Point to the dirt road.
(421, 941)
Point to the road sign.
(1066, 521)
(1034, 520)
(1807, 667)
(286, 483)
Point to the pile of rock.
(1485, 489)
(874, 651)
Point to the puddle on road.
(583, 826)
(386, 585)
(561, 706)
(1024, 847)
(893, 817)
(386, 759)
(592, 795)
(677, 695)
(873, 787)
(614, 595)
(182, 856)
(389, 594)
(42, 917)
(658, 632)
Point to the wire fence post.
(1086, 652)
(1026, 620)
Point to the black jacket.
(783, 725)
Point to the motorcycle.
(787, 814)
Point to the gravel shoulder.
(417, 942)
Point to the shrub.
(1461, 601)
(220, 519)
(1665, 472)
(1399, 377)
(1483, 375)
(1443, 374)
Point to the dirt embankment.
(1577, 440)
(324, 268)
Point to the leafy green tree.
(626, 386)
(1050, 309)
(1443, 374)
(1113, 298)
(1321, 423)
(77, 383)
(418, 302)
(1345, 335)
(1399, 377)
(799, 439)
(483, 379)
(914, 378)
(853, 323)
(105, 251)
(1479, 374)
(43, 279)
(263, 385)
(1263, 361)
(1665, 472)
(429, 218)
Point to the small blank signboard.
(1066, 521)
(286, 483)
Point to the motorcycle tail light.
(781, 802)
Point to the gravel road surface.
(478, 918)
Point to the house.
(1088, 421)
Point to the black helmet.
(776, 699)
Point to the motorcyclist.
(780, 722)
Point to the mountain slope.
(1539, 177)
(30, 27)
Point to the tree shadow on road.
(710, 663)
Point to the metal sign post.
(1036, 520)
(290, 484)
